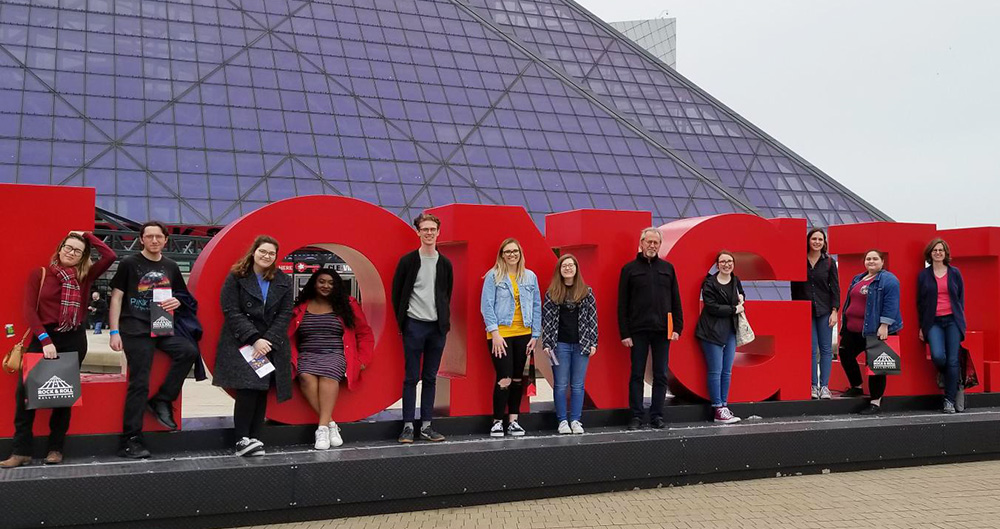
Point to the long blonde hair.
(558, 291)
(83, 267)
(500, 267)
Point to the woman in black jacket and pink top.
(56, 315)
(941, 306)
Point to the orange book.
(670, 324)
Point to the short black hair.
(150, 224)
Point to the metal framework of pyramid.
(201, 111)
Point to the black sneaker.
(428, 434)
(249, 447)
(852, 392)
(872, 409)
(163, 412)
(406, 436)
(658, 423)
(635, 424)
(133, 448)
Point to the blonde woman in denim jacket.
(511, 305)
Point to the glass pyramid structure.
(198, 111)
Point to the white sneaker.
(576, 426)
(335, 438)
(814, 392)
(497, 429)
(322, 438)
(824, 393)
(564, 427)
(668, 394)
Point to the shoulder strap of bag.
(38, 301)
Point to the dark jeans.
(248, 412)
(139, 351)
(945, 340)
(851, 345)
(510, 365)
(421, 339)
(642, 343)
(24, 419)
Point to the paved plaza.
(939, 496)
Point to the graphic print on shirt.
(144, 290)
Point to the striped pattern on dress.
(321, 346)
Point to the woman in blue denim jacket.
(870, 309)
(512, 310)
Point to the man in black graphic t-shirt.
(138, 279)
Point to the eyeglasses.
(937, 250)
(512, 252)
(729, 262)
(72, 250)
(154, 237)
(428, 230)
(265, 253)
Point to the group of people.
(320, 335)
(871, 308)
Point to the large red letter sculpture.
(470, 237)
(904, 243)
(603, 241)
(777, 363)
(65, 209)
(368, 238)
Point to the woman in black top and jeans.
(722, 294)
(822, 289)
(569, 335)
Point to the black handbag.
(880, 357)
(53, 383)
(967, 369)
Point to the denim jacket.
(497, 303)
(881, 304)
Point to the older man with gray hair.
(649, 317)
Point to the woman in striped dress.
(331, 342)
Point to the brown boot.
(54, 458)
(15, 461)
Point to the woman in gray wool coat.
(257, 304)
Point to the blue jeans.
(945, 339)
(719, 360)
(571, 372)
(822, 349)
(97, 327)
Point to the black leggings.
(851, 345)
(24, 419)
(510, 365)
(248, 412)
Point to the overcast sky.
(898, 100)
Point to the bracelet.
(43, 336)
(113, 332)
